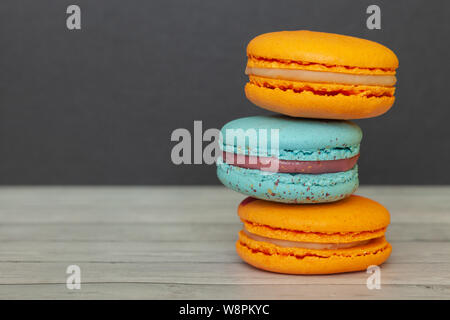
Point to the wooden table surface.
(178, 243)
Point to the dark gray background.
(97, 106)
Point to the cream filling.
(305, 245)
(322, 76)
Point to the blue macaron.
(290, 160)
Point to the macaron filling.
(322, 76)
(306, 245)
(273, 164)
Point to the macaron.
(343, 236)
(283, 159)
(320, 75)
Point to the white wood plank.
(227, 292)
(178, 242)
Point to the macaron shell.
(299, 139)
(308, 104)
(286, 187)
(273, 258)
(353, 214)
(323, 48)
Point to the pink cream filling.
(305, 245)
(323, 76)
(272, 164)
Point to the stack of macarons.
(299, 168)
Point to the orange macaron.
(342, 236)
(320, 75)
